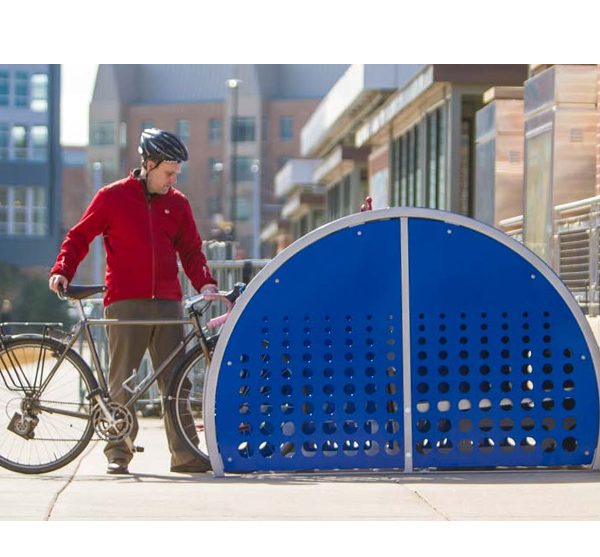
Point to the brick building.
(255, 123)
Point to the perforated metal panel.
(310, 377)
(310, 372)
(502, 374)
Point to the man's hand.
(210, 292)
(58, 283)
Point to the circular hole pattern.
(350, 448)
(371, 448)
(287, 449)
(392, 447)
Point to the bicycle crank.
(117, 425)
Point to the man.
(145, 223)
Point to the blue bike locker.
(404, 339)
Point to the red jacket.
(142, 238)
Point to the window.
(339, 199)
(39, 143)
(334, 203)
(318, 218)
(4, 87)
(431, 168)
(243, 129)
(243, 208)
(182, 130)
(74, 157)
(413, 166)
(346, 197)
(39, 92)
(145, 125)
(286, 128)
(404, 172)
(303, 226)
(21, 89)
(214, 130)
(102, 133)
(213, 206)
(538, 197)
(4, 141)
(123, 134)
(19, 141)
(215, 169)
(183, 176)
(243, 169)
(23, 211)
(413, 185)
(441, 204)
(435, 164)
(464, 170)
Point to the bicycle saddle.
(79, 292)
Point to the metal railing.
(513, 227)
(575, 244)
(575, 248)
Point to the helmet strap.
(145, 178)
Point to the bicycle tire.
(186, 411)
(57, 437)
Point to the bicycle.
(51, 402)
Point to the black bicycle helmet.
(161, 146)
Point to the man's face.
(163, 178)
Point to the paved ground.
(82, 491)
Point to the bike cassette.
(24, 426)
(115, 428)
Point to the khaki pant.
(127, 344)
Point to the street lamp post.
(233, 85)
(97, 245)
(256, 210)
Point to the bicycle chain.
(59, 402)
(93, 439)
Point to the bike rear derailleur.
(23, 425)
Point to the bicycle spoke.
(185, 404)
(50, 430)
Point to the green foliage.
(31, 299)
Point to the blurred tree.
(30, 297)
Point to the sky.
(460, 32)
(77, 86)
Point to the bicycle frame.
(100, 391)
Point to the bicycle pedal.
(138, 449)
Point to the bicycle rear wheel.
(45, 415)
(184, 402)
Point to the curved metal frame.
(355, 220)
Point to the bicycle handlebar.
(228, 298)
(78, 292)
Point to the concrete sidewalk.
(82, 491)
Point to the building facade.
(557, 217)
(428, 127)
(241, 123)
(30, 164)
(403, 134)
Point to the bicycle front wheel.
(45, 415)
(184, 402)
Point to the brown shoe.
(117, 467)
(195, 467)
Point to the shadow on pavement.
(426, 478)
